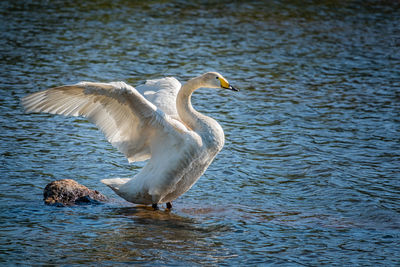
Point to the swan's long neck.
(210, 131)
(184, 104)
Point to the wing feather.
(126, 118)
(162, 93)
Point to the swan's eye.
(217, 78)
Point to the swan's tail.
(115, 183)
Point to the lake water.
(309, 174)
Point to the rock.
(68, 192)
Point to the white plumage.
(156, 121)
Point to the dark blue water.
(309, 174)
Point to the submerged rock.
(68, 192)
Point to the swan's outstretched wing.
(127, 119)
(162, 93)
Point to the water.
(309, 174)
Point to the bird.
(154, 122)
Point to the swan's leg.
(169, 205)
(155, 206)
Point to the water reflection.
(138, 234)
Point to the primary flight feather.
(156, 121)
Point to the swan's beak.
(232, 88)
(225, 85)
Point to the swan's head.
(216, 80)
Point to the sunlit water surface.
(309, 174)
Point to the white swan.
(156, 121)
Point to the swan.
(154, 122)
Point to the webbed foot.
(155, 206)
(169, 205)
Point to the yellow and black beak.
(225, 85)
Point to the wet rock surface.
(68, 192)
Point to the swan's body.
(156, 121)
